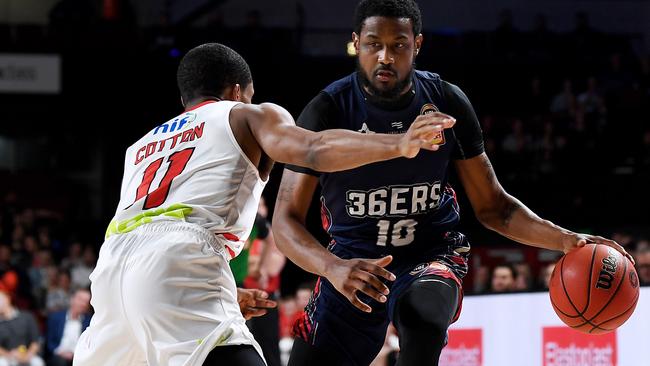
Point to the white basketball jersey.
(191, 168)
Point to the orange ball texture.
(594, 289)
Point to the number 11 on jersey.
(400, 234)
(177, 163)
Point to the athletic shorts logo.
(419, 269)
(438, 139)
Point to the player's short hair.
(208, 69)
(388, 8)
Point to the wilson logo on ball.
(634, 280)
(607, 272)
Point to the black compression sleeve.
(467, 130)
(319, 115)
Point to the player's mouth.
(384, 76)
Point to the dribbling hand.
(574, 240)
(422, 132)
(351, 275)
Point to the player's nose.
(385, 57)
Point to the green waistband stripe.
(177, 210)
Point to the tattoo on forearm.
(510, 206)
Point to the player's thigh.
(108, 344)
(303, 354)
(182, 299)
(333, 327)
(239, 355)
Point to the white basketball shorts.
(163, 295)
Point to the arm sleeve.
(467, 131)
(33, 331)
(319, 115)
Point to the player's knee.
(428, 306)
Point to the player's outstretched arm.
(503, 213)
(293, 239)
(337, 149)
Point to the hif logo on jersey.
(439, 138)
(176, 124)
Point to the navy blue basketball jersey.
(400, 203)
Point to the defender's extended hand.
(253, 303)
(422, 131)
(351, 275)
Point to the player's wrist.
(330, 266)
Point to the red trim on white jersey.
(200, 105)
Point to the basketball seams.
(611, 298)
(634, 303)
(591, 274)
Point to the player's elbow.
(487, 218)
(498, 215)
(281, 227)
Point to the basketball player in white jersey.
(162, 290)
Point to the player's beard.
(386, 94)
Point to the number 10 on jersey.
(398, 234)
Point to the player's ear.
(418, 43)
(232, 93)
(236, 93)
(355, 41)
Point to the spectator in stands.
(536, 102)
(73, 257)
(506, 36)
(80, 272)
(524, 278)
(38, 275)
(545, 275)
(592, 104)
(64, 328)
(481, 280)
(8, 275)
(564, 105)
(504, 278)
(518, 141)
(19, 336)
(58, 295)
(643, 265)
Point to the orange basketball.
(594, 289)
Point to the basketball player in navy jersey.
(394, 254)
